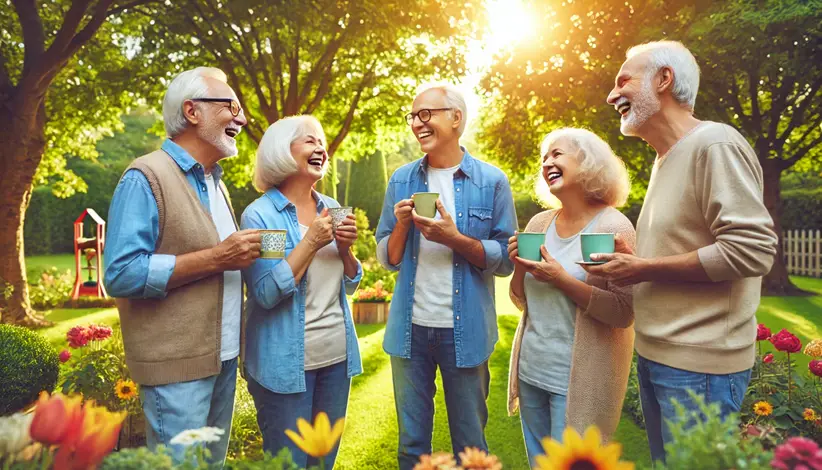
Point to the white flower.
(195, 436)
(14, 433)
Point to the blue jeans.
(466, 390)
(173, 408)
(543, 415)
(658, 384)
(326, 389)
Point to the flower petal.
(300, 442)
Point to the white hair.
(453, 99)
(185, 86)
(675, 55)
(602, 174)
(274, 160)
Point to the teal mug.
(528, 245)
(596, 243)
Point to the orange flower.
(96, 439)
(474, 458)
(763, 408)
(436, 461)
(57, 419)
(810, 414)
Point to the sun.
(509, 22)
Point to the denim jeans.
(543, 415)
(326, 390)
(466, 390)
(658, 384)
(173, 408)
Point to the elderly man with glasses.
(442, 313)
(173, 261)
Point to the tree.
(53, 103)
(745, 48)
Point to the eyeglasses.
(233, 105)
(423, 114)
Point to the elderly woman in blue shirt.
(301, 346)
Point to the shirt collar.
(185, 161)
(466, 165)
(281, 202)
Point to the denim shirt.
(484, 210)
(132, 269)
(275, 329)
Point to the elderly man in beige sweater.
(704, 240)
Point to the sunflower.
(581, 453)
(810, 415)
(126, 389)
(763, 408)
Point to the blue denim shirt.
(485, 211)
(132, 269)
(275, 329)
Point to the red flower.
(78, 337)
(65, 355)
(762, 332)
(785, 341)
(797, 452)
(768, 358)
(816, 368)
(99, 332)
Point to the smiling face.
(442, 129)
(634, 96)
(308, 150)
(217, 126)
(560, 166)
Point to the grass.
(39, 263)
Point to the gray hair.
(602, 174)
(185, 86)
(453, 99)
(675, 55)
(274, 160)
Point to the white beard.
(644, 105)
(216, 136)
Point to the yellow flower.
(581, 452)
(126, 389)
(810, 415)
(318, 441)
(763, 408)
(814, 348)
(476, 459)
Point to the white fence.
(803, 252)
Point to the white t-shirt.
(433, 301)
(232, 280)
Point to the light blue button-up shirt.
(275, 329)
(132, 269)
(484, 210)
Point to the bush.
(802, 209)
(138, 459)
(52, 289)
(28, 365)
(632, 406)
(365, 249)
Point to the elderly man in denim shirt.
(442, 313)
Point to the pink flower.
(99, 332)
(797, 452)
(785, 341)
(65, 355)
(768, 358)
(762, 332)
(78, 337)
(815, 368)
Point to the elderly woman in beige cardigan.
(572, 352)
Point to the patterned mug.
(273, 244)
(338, 214)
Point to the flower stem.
(789, 378)
(322, 463)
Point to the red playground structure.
(91, 249)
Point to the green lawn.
(39, 263)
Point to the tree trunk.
(777, 281)
(21, 149)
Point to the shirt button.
(411, 283)
(458, 291)
(458, 317)
(460, 214)
(204, 188)
(457, 265)
(458, 189)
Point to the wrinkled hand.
(547, 270)
(622, 268)
(346, 234)
(239, 250)
(403, 212)
(439, 231)
(321, 232)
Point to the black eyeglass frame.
(231, 103)
(409, 118)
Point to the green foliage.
(365, 248)
(246, 441)
(282, 461)
(28, 366)
(366, 185)
(631, 406)
(139, 458)
(94, 372)
(802, 208)
(52, 289)
(702, 440)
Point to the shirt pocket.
(479, 222)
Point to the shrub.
(632, 406)
(246, 440)
(138, 459)
(52, 289)
(28, 365)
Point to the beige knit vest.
(176, 338)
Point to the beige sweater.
(603, 342)
(705, 195)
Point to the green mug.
(596, 243)
(426, 204)
(528, 245)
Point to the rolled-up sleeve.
(386, 225)
(504, 219)
(351, 283)
(729, 184)
(132, 269)
(270, 281)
